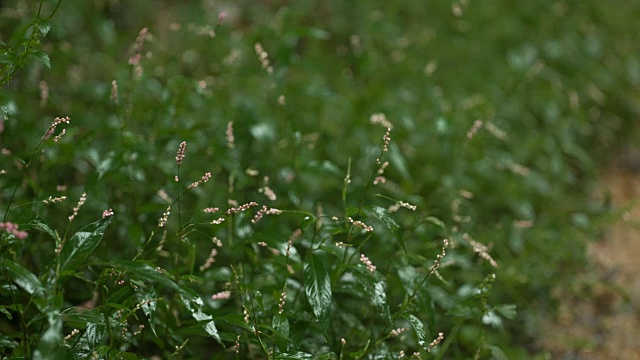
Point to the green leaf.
(397, 159)
(39, 224)
(507, 310)
(43, 58)
(43, 26)
(51, 343)
(280, 324)
(381, 214)
(147, 273)
(497, 353)
(437, 222)
(146, 296)
(375, 291)
(421, 332)
(237, 320)
(317, 285)
(76, 250)
(6, 313)
(195, 305)
(295, 356)
(24, 278)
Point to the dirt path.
(600, 317)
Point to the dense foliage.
(297, 180)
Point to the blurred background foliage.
(554, 82)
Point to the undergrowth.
(309, 181)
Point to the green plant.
(277, 103)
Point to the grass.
(314, 130)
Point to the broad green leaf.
(76, 250)
(43, 26)
(43, 58)
(317, 285)
(126, 356)
(93, 335)
(435, 221)
(280, 324)
(6, 313)
(195, 305)
(381, 214)
(397, 159)
(51, 343)
(238, 320)
(147, 273)
(86, 317)
(39, 224)
(375, 291)
(421, 333)
(146, 296)
(23, 278)
(507, 310)
(295, 356)
(7, 342)
(497, 353)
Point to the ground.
(600, 317)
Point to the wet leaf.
(317, 285)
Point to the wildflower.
(398, 331)
(282, 100)
(343, 341)
(386, 139)
(165, 217)
(480, 249)
(523, 223)
(382, 167)
(114, 92)
(83, 198)
(265, 211)
(474, 129)
(222, 295)
(53, 200)
(52, 128)
(44, 93)
(230, 138)
(139, 331)
(221, 17)
(210, 260)
(283, 296)
(268, 193)
(264, 58)
(73, 333)
(57, 138)
(380, 118)
(379, 180)
(136, 48)
(210, 210)
(12, 228)
(361, 225)
(365, 260)
(107, 213)
(241, 208)
(217, 221)
(204, 179)
(496, 131)
(435, 342)
(181, 150)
